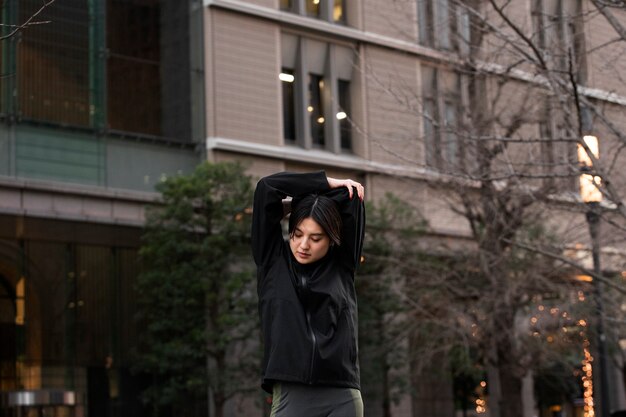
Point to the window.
(315, 109)
(345, 125)
(101, 65)
(313, 8)
(315, 81)
(333, 11)
(441, 115)
(289, 118)
(558, 30)
(443, 24)
(558, 155)
(53, 75)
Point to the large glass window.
(558, 156)
(313, 8)
(558, 29)
(287, 79)
(441, 109)
(53, 64)
(345, 124)
(315, 81)
(339, 11)
(114, 65)
(443, 24)
(316, 109)
(134, 66)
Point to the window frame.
(445, 14)
(558, 24)
(325, 9)
(332, 62)
(439, 138)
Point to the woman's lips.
(303, 255)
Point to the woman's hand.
(335, 183)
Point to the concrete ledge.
(46, 199)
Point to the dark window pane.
(450, 149)
(339, 11)
(289, 115)
(133, 67)
(313, 8)
(285, 4)
(344, 114)
(7, 8)
(425, 21)
(442, 26)
(315, 109)
(430, 132)
(53, 64)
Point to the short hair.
(321, 209)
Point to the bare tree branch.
(29, 22)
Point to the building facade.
(100, 103)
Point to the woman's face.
(309, 242)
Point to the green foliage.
(196, 297)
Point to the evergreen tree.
(197, 304)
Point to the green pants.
(297, 400)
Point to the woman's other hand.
(336, 183)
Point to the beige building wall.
(244, 89)
(393, 113)
(395, 19)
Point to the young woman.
(307, 301)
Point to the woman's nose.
(304, 243)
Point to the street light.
(592, 196)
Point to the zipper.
(311, 332)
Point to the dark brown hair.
(321, 209)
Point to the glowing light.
(310, 109)
(589, 184)
(592, 144)
(481, 406)
(288, 78)
(587, 379)
(584, 278)
(341, 115)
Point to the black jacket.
(308, 312)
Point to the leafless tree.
(506, 162)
